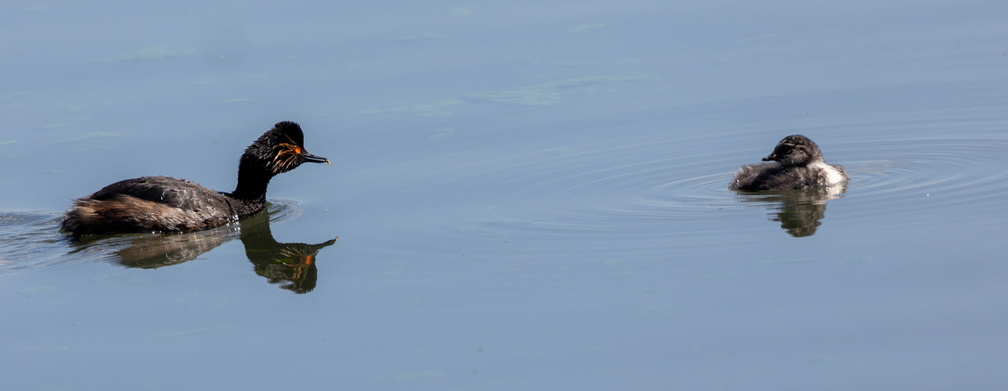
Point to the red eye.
(297, 150)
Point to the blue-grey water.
(526, 195)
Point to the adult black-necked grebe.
(798, 164)
(165, 204)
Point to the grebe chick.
(797, 164)
(165, 204)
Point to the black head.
(280, 149)
(795, 150)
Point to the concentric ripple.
(649, 189)
(929, 173)
(284, 210)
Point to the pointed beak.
(315, 159)
(770, 157)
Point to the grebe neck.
(252, 182)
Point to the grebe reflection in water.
(292, 265)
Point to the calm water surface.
(525, 195)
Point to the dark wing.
(174, 192)
(773, 176)
(756, 177)
(148, 204)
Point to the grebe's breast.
(829, 174)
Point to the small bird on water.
(166, 204)
(797, 163)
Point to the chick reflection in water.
(799, 211)
(292, 265)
